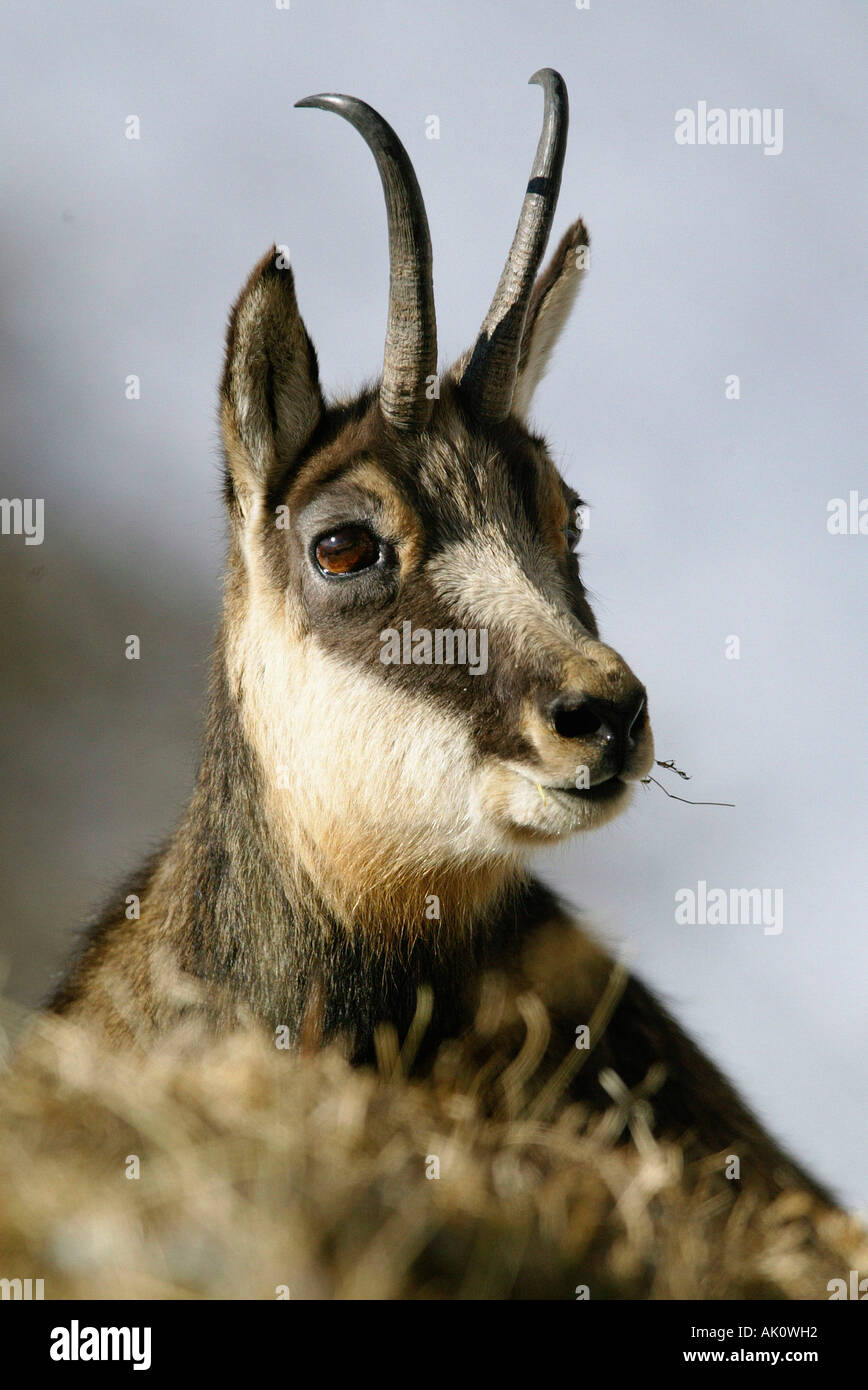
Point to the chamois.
(359, 833)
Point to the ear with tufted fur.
(270, 396)
(551, 301)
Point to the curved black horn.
(491, 372)
(410, 355)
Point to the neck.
(270, 931)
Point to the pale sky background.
(709, 515)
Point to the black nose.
(602, 721)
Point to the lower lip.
(604, 791)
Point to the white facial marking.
(484, 581)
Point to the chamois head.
(407, 634)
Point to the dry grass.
(261, 1168)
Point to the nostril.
(585, 716)
(577, 720)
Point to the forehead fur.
(454, 473)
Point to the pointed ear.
(270, 396)
(551, 301)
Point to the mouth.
(547, 811)
(595, 796)
(531, 811)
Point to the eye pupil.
(347, 550)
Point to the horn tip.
(323, 100)
(551, 81)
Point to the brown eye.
(347, 550)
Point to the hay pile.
(262, 1171)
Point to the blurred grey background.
(709, 515)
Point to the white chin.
(527, 810)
